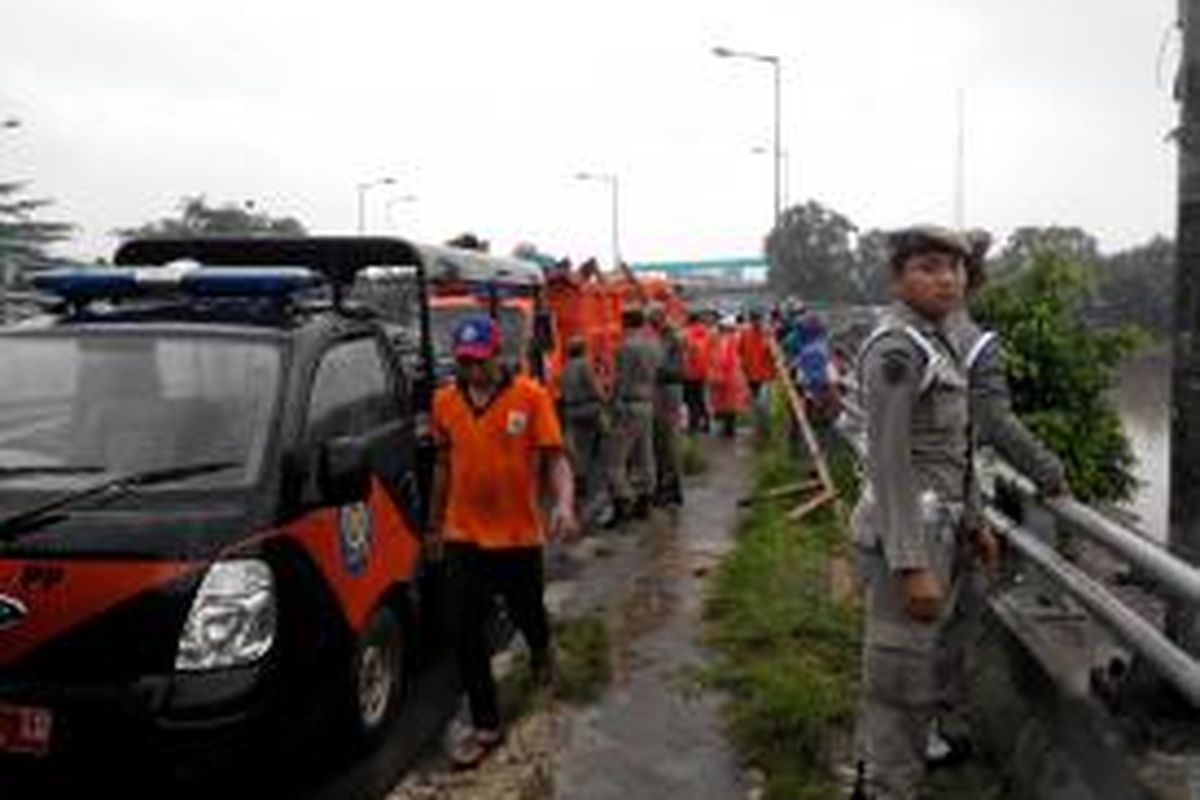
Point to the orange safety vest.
(755, 351)
(697, 351)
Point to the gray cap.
(923, 237)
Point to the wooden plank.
(781, 492)
(797, 405)
(802, 511)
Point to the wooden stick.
(781, 492)
(797, 404)
(802, 511)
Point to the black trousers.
(474, 577)
(695, 397)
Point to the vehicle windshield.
(444, 319)
(128, 403)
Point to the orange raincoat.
(727, 382)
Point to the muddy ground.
(655, 732)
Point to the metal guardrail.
(1168, 573)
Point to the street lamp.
(786, 158)
(8, 124)
(614, 184)
(362, 199)
(775, 62)
(395, 201)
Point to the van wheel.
(377, 676)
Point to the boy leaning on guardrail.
(919, 518)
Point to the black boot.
(641, 507)
(618, 517)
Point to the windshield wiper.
(51, 511)
(58, 469)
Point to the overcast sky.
(486, 110)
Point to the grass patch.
(692, 460)
(584, 667)
(788, 654)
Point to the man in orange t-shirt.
(498, 441)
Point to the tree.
(811, 253)
(871, 275)
(1136, 286)
(1060, 368)
(1025, 243)
(198, 218)
(24, 239)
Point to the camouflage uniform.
(631, 461)
(918, 499)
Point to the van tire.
(377, 677)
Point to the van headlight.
(232, 620)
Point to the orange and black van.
(212, 490)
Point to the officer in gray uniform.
(914, 525)
(583, 413)
(631, 463)
(668, 399)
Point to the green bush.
(788, 653)
(1061, 370)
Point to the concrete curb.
(1035, 715)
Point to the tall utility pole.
(1185, 370)
(960, 163)
(6, 124)
(362, 189)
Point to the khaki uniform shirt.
(920, 484)
(636, 368)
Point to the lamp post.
(362, 199)
(775, 62)
(7, 124)
(395, 201)
(614, 185)
(786, 159)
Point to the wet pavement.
(654, 734)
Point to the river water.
(1144, 396)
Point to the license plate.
(25, 730)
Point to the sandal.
(474, 747)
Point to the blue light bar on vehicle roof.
(82, 285)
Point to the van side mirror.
(343, 471)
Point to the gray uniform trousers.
(667, 460)
(631, 470)
(902, 669)
(583, 430)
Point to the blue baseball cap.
(476, 338)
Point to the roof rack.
(338, 258)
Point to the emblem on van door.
(12, 611)
(355, 528)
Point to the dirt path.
(653, 733)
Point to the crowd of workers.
(932, 389)
(502, 449)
